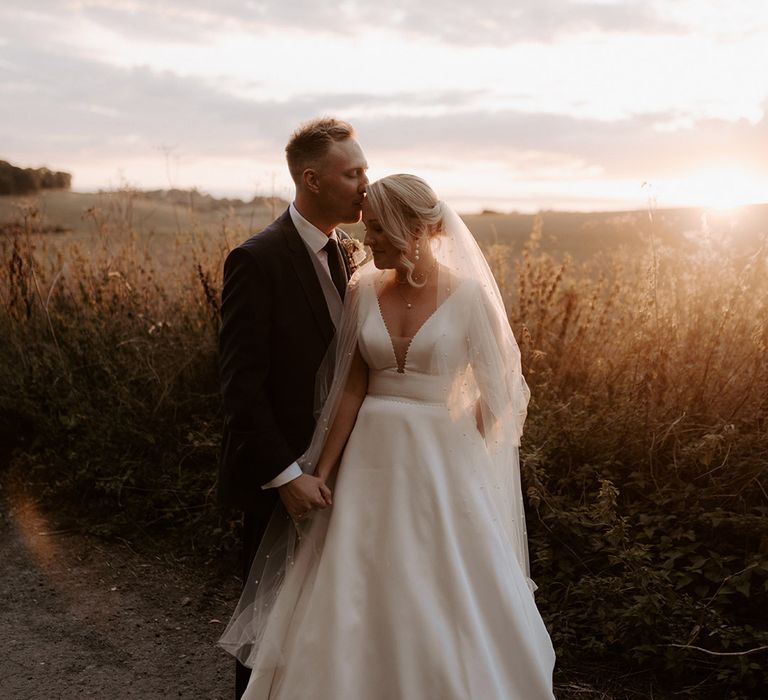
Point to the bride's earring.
(417, 249)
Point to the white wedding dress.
(406, 589)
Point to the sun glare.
(719, 188)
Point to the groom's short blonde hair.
(311, 141)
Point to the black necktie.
(336, 266)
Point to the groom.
(281, 301)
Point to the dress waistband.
(430, 388)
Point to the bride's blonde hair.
(408, 209)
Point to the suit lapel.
(305, 271)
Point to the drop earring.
(417, 249)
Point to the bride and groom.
(373, 419)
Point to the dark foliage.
(15, 180)
(644, 456)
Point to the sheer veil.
(491, 386)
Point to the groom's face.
(342, 181)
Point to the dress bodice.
(430, 359)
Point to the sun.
(720, 188)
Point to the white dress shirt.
(315, 240)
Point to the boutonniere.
(355, 252)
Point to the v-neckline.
(401, 369)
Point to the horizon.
(246, 197)
(561, 105)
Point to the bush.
(14, 180)
(644, 455)
(109, 375)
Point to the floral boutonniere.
(355, 253)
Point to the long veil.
(491, 386)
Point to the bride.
(414, 584)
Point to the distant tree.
(6, 180)
(15, 180)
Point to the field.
(182, 213)
(645, 457)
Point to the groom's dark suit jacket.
(275, 331)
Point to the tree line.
(15, 180)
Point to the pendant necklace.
(408, 304)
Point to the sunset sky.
(526, 105)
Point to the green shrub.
(644, 455)
(109, 373)
(645, 460)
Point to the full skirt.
(406, 588)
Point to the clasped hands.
(304, 494)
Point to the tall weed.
(645, 459)
(644, 455)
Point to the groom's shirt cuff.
(284, 477)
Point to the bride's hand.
(323, 471)
(303, 495)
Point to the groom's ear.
(311, 180)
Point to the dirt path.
(80, 618)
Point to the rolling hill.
(181, 212)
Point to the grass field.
(186, 213)
(78, 216)
(645, 455)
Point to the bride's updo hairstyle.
(408, 209)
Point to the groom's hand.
(303, 495)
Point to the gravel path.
(82, 618)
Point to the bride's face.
(385, 254)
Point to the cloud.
(634, 147)
(478, 23)
(60, 110)
(500, 22)
(84, 105)
(51, 100)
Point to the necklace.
(398, 288)
(426, 274)
(408, 304)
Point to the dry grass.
(645, 452)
